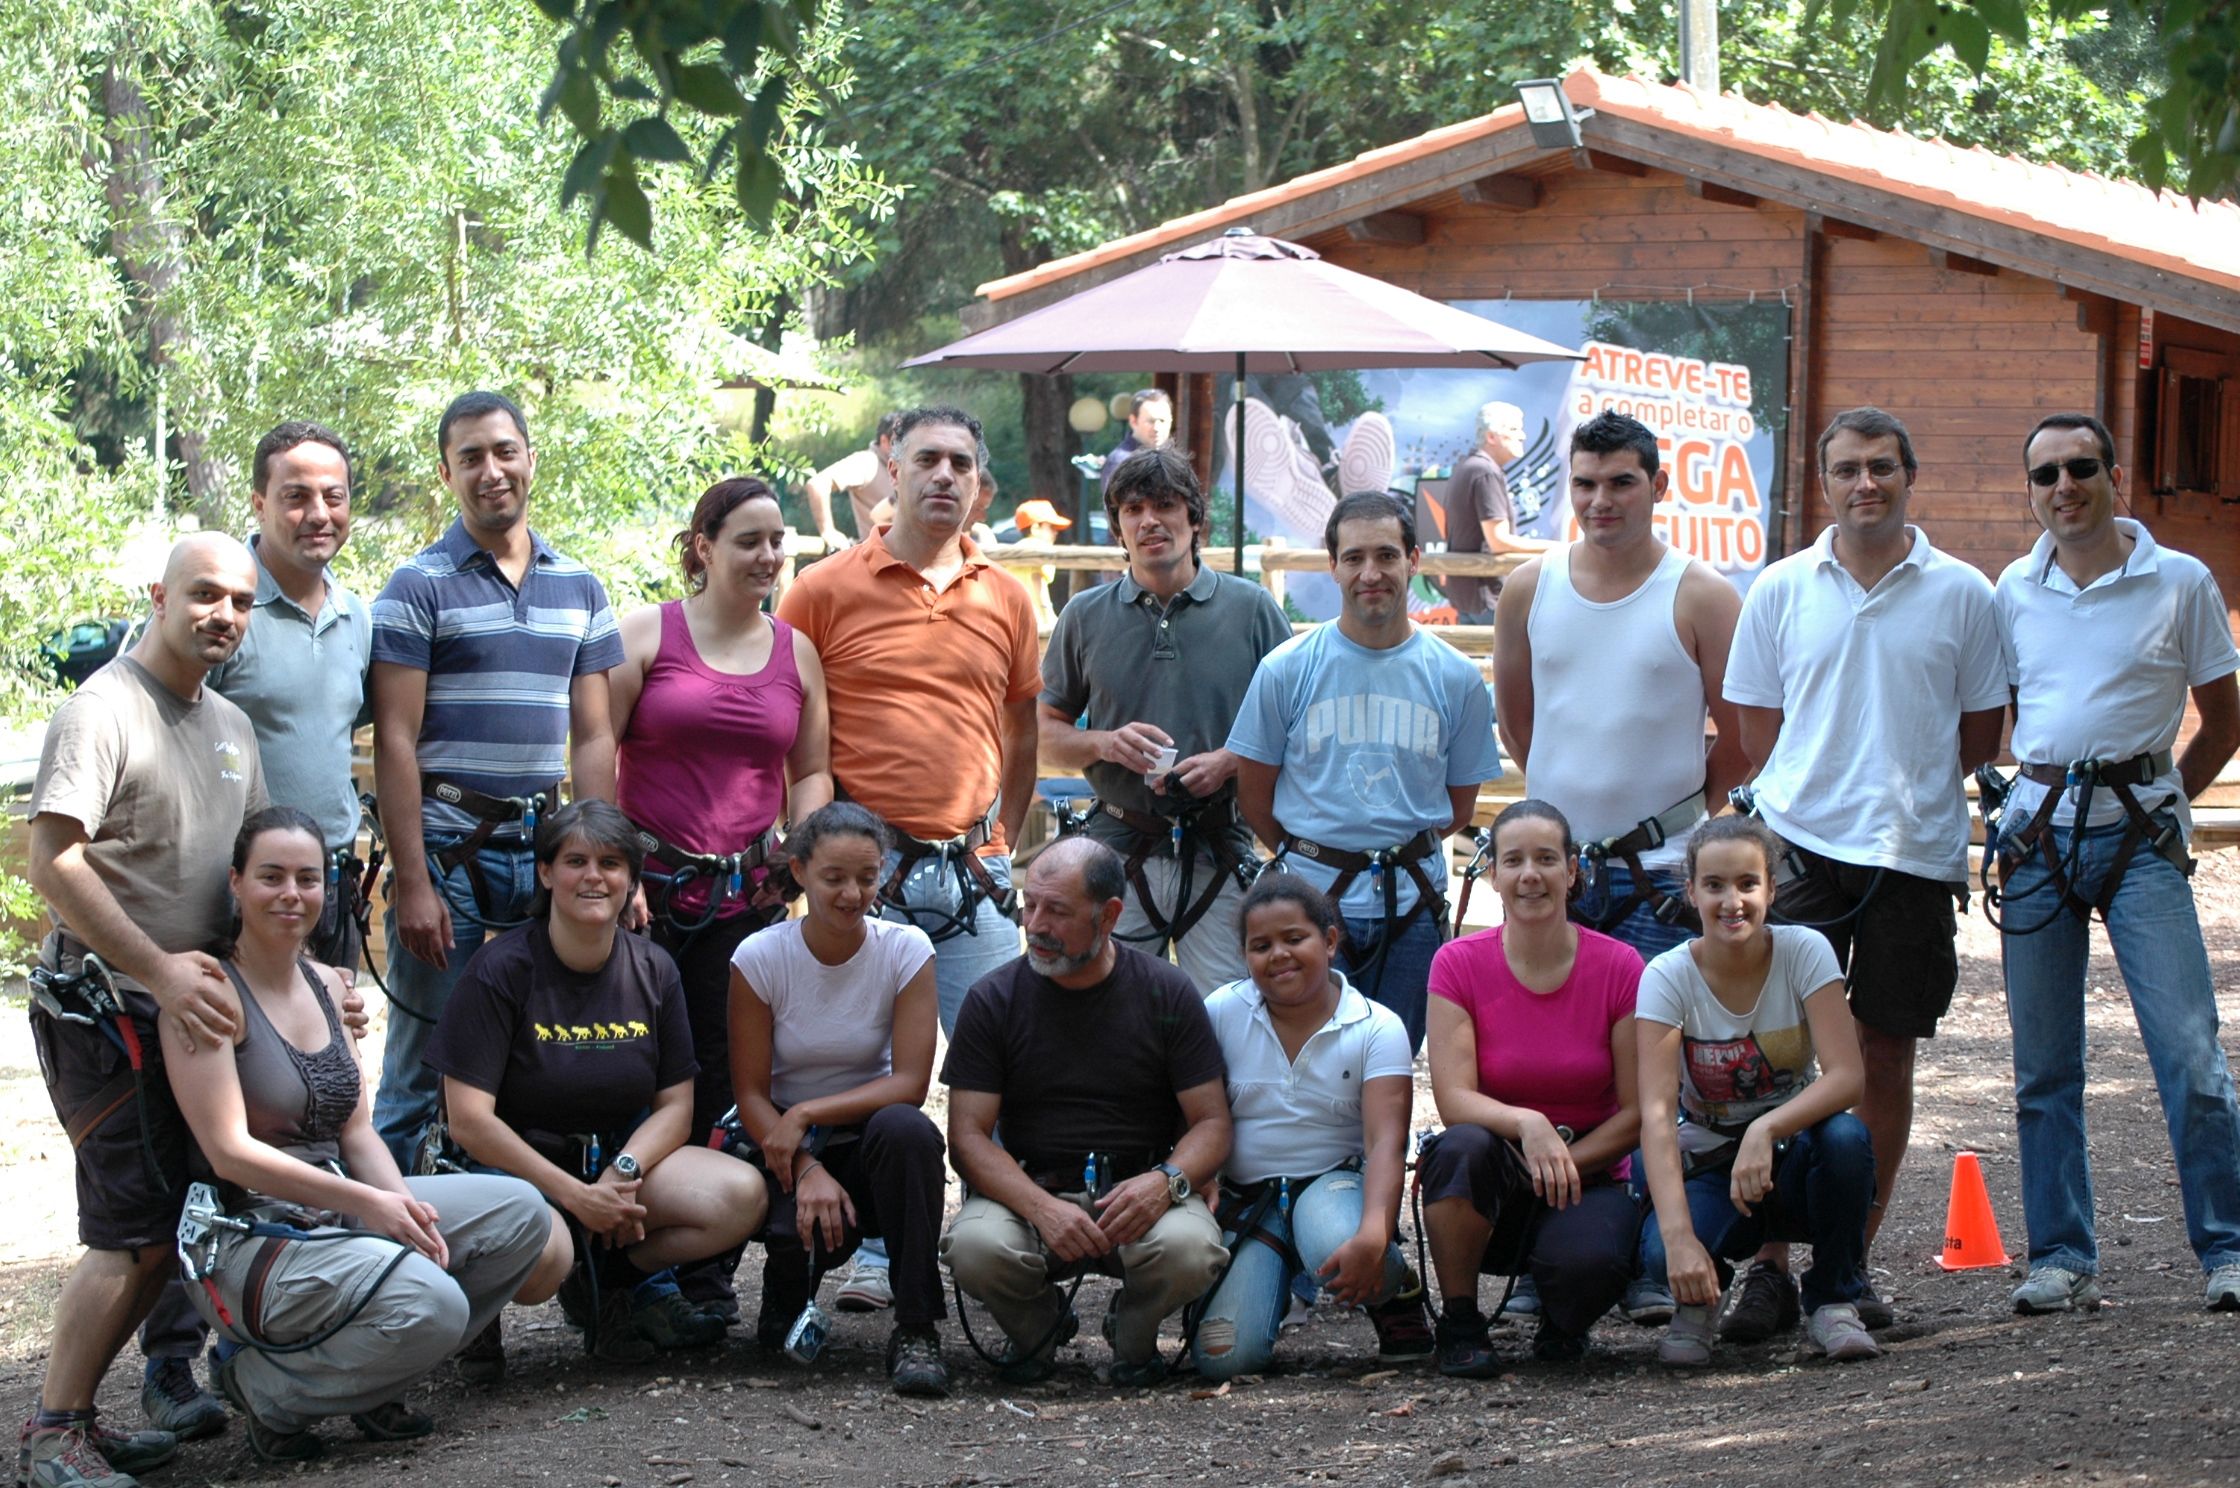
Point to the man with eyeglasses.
(2109, 632)
(1870, 676)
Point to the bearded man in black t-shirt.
(1103, 1069)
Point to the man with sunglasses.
(2108, 633)
(1870, 676)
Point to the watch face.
(626, 1165)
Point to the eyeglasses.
(1847, 472)
(2083, 468)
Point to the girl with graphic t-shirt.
(1532, 1051)
(832, 1030)
(1730, 1026)
(567, 1061)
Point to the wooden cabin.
(1966, 292)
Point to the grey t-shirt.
(161, 786)
(1119, 656)
(302, 681)
(1477, 493)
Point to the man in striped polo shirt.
(490, 654)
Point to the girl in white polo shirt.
(1320, 1085)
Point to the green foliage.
(2187, 130)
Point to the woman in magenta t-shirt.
(1532, 1065)
(720, 728)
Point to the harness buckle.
(2081, 772)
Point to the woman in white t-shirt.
(1731, 1025)
(1320, 1084)
(832, 1033)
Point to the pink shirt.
(1548, 1052)
(703, 764)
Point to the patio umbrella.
(1244, 303)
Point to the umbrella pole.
(1236, 560)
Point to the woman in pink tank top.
(722, 734)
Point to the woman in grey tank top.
(358, 1281)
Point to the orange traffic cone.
(1971, 1234)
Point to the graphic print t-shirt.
(1735, 1067)
(1369, 742)
(562, 1050)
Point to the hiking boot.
(1836, 1332)
(2054, 1289)
(616, 1339)
(1132, 1374)
(174, 1401)
(1523, 1300)
(785, 1291)
(482, 1360)
(662, 1315)
(1766, 1305)
(1647, 1302)
(2223, 1291)
(575, 1295)
(1016, 1367)
(1403, 1324)
(85, 1454)
(1551, 1345)
(1465, 1348)
(269, 1443)
(1687, 1338)
(1874, 1313)
(914, 1364)
(865, 1289)
(394, 1421)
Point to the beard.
(1060, 964)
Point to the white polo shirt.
(2102, 673)
(1871, 685)
(1296, 1118)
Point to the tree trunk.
(148, 243)
(1051, 440)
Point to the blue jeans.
(1641, 929)
(1237, 1334)
(1822, 1188)
(934, 898)
(1401, 977)
(2157, 943)
(406, 1100)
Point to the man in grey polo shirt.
(1153, 669)
(300, 673)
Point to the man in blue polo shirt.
(490, 654)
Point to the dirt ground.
(2143, 1392)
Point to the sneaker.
(394, 1421)
(85, 1454)
(1524, 1299)
(1015, 1367)
(1687, 1339)
(1647, 1302)
(1766, 1305)
(174, 1401)
(914, 1364)
(1835, 1331)
(2053, 1289)
(1297, 1315)
(661, 1313)
(1465, 1349)
(2223, 1291)
(1403, 1324)
(1551, 1345)
(482, 1361)
(616, 1339)
(785, 1291)
(865, 1289)
(269, 1443)
(1876, 1314)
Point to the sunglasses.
(2083, 468)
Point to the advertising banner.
(1710, 379)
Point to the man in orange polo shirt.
(932, 668)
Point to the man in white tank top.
(1609, 654)
(1869, 673)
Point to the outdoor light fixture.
(1555, 123)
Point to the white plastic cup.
(1161, 763)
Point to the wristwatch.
(1178, 1182)
(1567, 1135)
(625, 1167)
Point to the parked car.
(84, 647)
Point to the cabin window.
(2197, 424)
